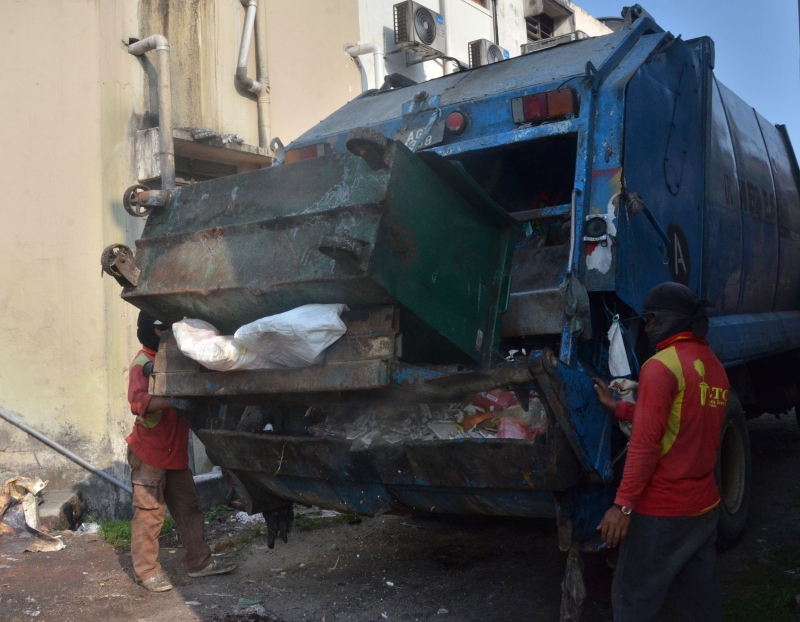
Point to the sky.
(757, 46)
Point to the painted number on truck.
(680, 266)
(417, 138)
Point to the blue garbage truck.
(486, 230)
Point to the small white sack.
(202, 342)
(617, 356)
(296, 338)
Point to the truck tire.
(733, 474)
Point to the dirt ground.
(386, 568)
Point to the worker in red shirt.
(667, 506)
(158, 454)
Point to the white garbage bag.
(202, 342)
(617, 355)
(296, 338)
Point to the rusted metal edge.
(333, 377)
(279, 222)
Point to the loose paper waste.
(296, 338)
(19, 511)
(497, 414)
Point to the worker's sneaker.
(157, 583)
(215, 567)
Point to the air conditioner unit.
(484, 52)
(419, 30)
(552, 42)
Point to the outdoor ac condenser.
(484, 52)
(419, 30)
(536, 46)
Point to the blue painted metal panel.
(590, 422)
(787, 294)
(664, 160)
(739, 338)
(722, 268)
(758, 206)
(548, 66)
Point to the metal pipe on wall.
(160, 44)
(15, 419)
(444, 9)
(255, 21)
(377, 56)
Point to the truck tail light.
(544, 106)
(456, 122)
(305, 153)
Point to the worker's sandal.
(215, 567)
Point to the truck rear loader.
(486, 229)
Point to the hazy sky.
(757, 47)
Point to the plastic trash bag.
(296, 338)
(202, 342)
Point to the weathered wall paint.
(63, 331)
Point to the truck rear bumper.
(491, 477)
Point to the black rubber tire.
(734, 475)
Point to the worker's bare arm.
(158, 403)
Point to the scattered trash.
(247, 519)
(192, 603)
(510, 428)
(19, 502)
(2, 566)
(87, 529)
(481, 418)
(390, 584)
(31, 613)
(443, 610)
(384, 616)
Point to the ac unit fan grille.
(425, 25)
(494, 54)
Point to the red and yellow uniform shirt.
(677, 422)
(160, 439)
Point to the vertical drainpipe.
(444, 9)
(494, 21)
(259, 87)
(166, 143)
(262, 74)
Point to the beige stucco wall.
(66, 116)
(66, 142)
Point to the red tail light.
(544, 106)
(305, 153)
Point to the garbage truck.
(487, 230)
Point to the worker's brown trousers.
(152, 489)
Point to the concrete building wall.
(67, 113)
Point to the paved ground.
(384, 568)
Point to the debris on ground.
(21, 527)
